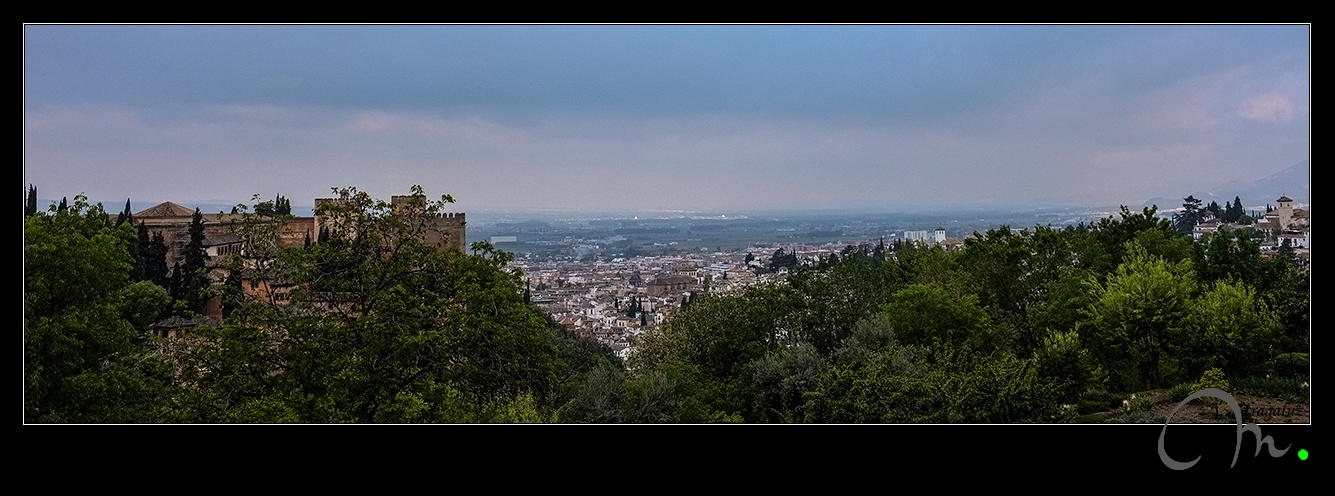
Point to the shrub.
(1062, 358)
(1213, 378)
(1290, 365)
(958, 389)
(1181, 391)
(1097, 400)
(1141, 402)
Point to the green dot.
(1302, 454)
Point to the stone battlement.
(446, 229)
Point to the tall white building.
(919, 237)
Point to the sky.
(663, 117)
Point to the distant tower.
(917, 237)
(1285, 211)
(940, 235)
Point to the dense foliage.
(1019, 326)
(368, 324)
(84, 359)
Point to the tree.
(81, 363)
(30, 207)
(125, 216)
(282, 206)
(830, 301)
(960, 387)
(155, 258)
(720, 336)
(1285, 252)
(1290, 297)
(1104, 247)
(265, 209)
(1140, 313)
(177, 286)
(1063, 359)
(783, 377)
(194, 281)
(927, 315)
(373, 326)
(1230, 327)
(1224, 256)
(1011, 272)
(782, 260)
(1185, 221)
(1235, 214)
(143, 303)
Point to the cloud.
(1270, 108)
(673, 116)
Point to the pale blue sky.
(685, 117)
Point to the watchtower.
(443, 229)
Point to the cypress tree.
(176, 283)
(234, 294)
(155, 266)
(143, 245)
(124, 216)
(195, 260)
(1237, 211)
(30, 208)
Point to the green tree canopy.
(81, 363)
(1140, 313)
(372, 326)
(927, 315)
(1229, 327)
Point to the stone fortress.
(446, 229)
(443, 230)
(172, 220)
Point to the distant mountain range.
(1294, 182)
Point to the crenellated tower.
(441, 230)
